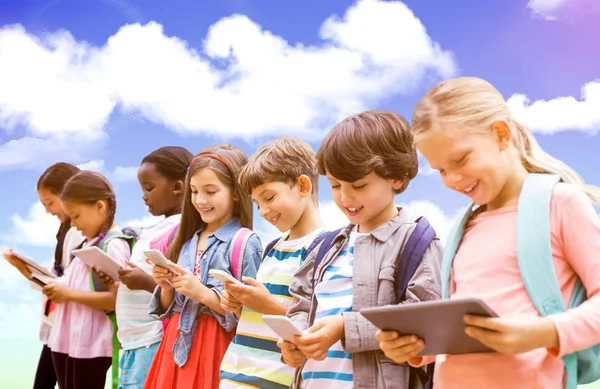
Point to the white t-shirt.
(136, 328)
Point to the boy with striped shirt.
(283, 180)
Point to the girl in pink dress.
(81, 338)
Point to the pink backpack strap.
(240, 239)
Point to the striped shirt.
(334, 297)
(253, 359)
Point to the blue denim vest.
(216, 256)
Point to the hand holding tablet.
(439, 323)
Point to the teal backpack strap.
(452, 244)
(534, 254)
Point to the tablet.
(33, 267)
(439, 323)
(99, 260)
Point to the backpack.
(534, 256)
(131, 235)
(236, 260)
(410, 257)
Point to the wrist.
(548, 333)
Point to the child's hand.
(162, 277)
(400, 349)
(57, 292)
(107, 281)
(20, 266)
(320, 337)
(513, 335)
(187, 284)
(229, 303)
(292, 356)
(135, 278)
(254, 295)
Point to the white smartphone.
(283, 326)
(158, 259)
(223, 276)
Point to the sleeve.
(251, 262)
(425, 285)
(119, 250)
(301, 289)
(154, 306)
(579, 328)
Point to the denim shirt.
(216, 256)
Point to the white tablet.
(33, 267)
(99, 260)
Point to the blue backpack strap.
(327, 239)
(456, 234)
(270, 246)
(412, 253)
(534, 254)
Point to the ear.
(178, 188)
(501, 131)
(397, 184)
(101, 206)
(305, 185)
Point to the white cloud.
(439, 220)
(142, 222)
(53, 84)
(119, 174)
(38, 228)
(424, 168)
(40, 152)
(546, 9)
(561, 113)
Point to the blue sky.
(101, 83)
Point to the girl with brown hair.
(49, 186)
(81, 339)
(215, 209)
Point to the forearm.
(149, 285)
(210, 299)
(99, 300)
(166, 298)
(274, 308)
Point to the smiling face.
(160, 194)
(212, 199)
(368, 202)
(282, 204)
(473, 165)
(52, 205)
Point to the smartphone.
(283, 326)
(224, 277)
(158, 259)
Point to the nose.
(200, 200)
(453, 179)
(345, 195)
(263, 211)
(145, 196)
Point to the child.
(199, 331)
(465, 130)
(161, 176)
(283, 180)
(81, 337)
(49, 186)
(368, 158)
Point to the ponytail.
(537, 160)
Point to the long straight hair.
(471, 105)
(191, 221)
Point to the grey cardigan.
(372, 285)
